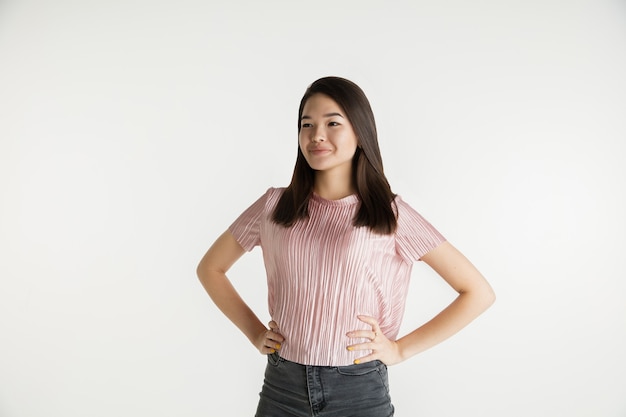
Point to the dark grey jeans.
(294, 390)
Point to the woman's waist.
(322, 345)
(319, 355)
(348, 368)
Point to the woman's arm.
(212, 274)
(475, 296)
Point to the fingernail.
(350, 348)
(356, 361)
(277, 345)
(272, 351)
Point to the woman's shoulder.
(274, 192)
(271, 197)
(405, 211)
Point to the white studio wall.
(132, 133)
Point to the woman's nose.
(318, 135)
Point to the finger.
(365, 359)
(363, 334)
(269, 346)
(375, 326)
(275, 332)
(360, 346)
(371, 321)
(273, 340)
(276, 337)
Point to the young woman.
(338, 248)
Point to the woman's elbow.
(488, 296)
(482, 294)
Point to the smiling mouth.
(318, 151)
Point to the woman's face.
(327, 139)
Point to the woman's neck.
(332, 187)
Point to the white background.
(132, 133)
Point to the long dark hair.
(376, 209)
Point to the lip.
(319, 151)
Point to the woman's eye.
(333, 124)
(306, 125)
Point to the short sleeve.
(247, 227)
(415, 236)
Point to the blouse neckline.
(345, 201)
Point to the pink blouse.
(323, 272)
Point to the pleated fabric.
(323, 272)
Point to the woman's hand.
(269, 341)
(383, 349)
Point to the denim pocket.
(274, 359)
(384, 376)
(360, 369)
(369, 377)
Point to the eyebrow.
(326, 115)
